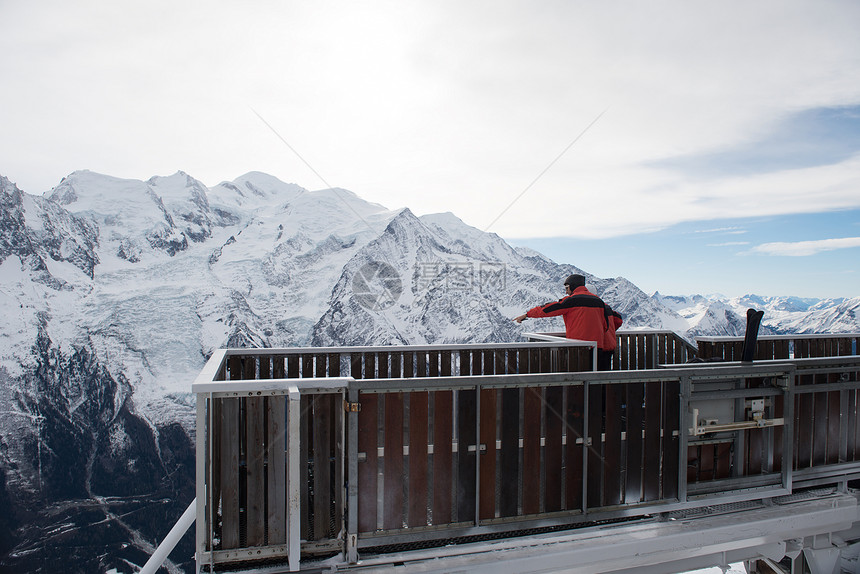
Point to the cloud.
(729, 244)
(806, 248)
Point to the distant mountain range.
(114, 292)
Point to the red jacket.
(584, 316)
(613, 322)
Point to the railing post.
(683, 435)
(352, 478)
(294, 494)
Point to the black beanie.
(575, 281)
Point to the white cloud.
(442, 106)
(805, 248)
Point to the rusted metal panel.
(635, 426)
(531, 449)
(322, 452)
(671, 442)
(393, 482)
(466, 454)
(509, 455)
(255, 510)
(653, 428)
(229, 473)
(594, 495)
(553, 451)
(276, 467)
(612, 464)
(487, 455)
(443, 473)
(368, 424)
(418, 458)
(575, 435)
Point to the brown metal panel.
(215, 465)
(489, 360)
(265, 367)
(653, 417)
(487, 455)
(443, 474)
(321, 369)
(408, 365)
(819, 429)
(694, 456)
(851, 413)
(396, 364)
(546, 361)
(305, 454)
(276, 467)
(369, 365)
(433, 364)
(509, 456)
(393, 462)
(356, 366)
(834, 423)
(755, 442)
(803, 430)
(418, 458)
(635, 442)
(624, 363)
(641, 357)
(671, 442)
(724, 460)
(382, 365)
(249, 368)
(781, 349)
(553, 451)
(662, 349)
(421, 361)
(573, 467)
(255, 511)
(307, 365)
(706, 462)
(229, 472)
(368, 424)
(501, 356)
(467, 458)
(534, 361)
(594, 475)
(465, 363)
(292, 366)
(445, 364)
(531, 449)
(523, 362)
(778, 433)
(334, 364)
(278, 370)
(322, 449)
(612, 467)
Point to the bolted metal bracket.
(351, 407)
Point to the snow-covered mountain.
(114, 292)
(719, 315)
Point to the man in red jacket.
(584, 315)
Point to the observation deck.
(519, 457)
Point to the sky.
(690, 146)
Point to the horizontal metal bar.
(284, 351)
(266, 387)
(727, 339)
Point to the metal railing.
(637, 350)
(314, 452)
(780, 346)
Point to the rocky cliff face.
(114, 292)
